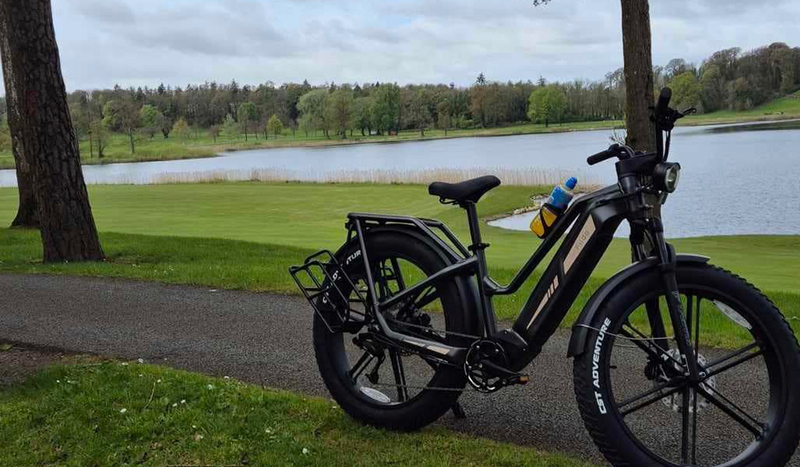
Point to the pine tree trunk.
(67, 227)
(639, 96)
(27, 214)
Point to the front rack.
(330, 291)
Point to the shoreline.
(217, 150)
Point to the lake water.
(735, 180)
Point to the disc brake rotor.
(675, 401)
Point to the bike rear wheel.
(377, 383)
(640, 408)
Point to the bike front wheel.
(640, 407)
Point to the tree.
(312, 111)
(98, 133)
(245, 114)
(181, 129)
(360, 115)
(675, 67)
(443, 115)
(230, 128)
(123, 115)
(337, 111)
(546, 104)
(152, 120)
(420, 110)
(385, 109)
(214, 131)
(5, 135)
(685, 91)
(712, 88)
(32, 68)
(27, 212)
(637, 52)
(275, 126)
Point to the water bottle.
(554, 206)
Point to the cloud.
(106, 11)
(145, 42)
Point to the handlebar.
(664, 119)
(603, 155)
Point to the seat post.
(474, 225)
(477, 248)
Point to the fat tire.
(608, 431)
(429, 405)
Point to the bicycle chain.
(432, 388)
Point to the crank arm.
(508, 377)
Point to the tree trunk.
(130, 135)
(91, 146)
(67, 226)
(636, 43)
(27, 214)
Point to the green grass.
(778, 109)
(245, 235)
(200, 144)
(110, 414)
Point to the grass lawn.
(785, 107)
(245, 235)
(200, 144)
(112, 413)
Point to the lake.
(736, 179)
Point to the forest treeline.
(728, 79)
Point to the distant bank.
(199, 143)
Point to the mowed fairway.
(295, 218)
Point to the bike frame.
(596, 218)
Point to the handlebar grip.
(600, 156)
(663, 101)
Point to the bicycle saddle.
(468, 190)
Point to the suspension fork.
(668, 270)
(640, 250)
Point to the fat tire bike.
(675, 361)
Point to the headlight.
(666, 176)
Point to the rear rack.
(320, 279)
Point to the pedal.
(518, 379)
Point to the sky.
(146, 42)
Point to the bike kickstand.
(458, 411)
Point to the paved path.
(263, 339)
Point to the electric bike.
(676, 361)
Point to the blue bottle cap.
(571, 183)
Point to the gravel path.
(266, 339)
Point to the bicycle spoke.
(399, 375)
(734, 363)
(685, 426)
(694, 401)
(360, 366)
(655, 389)
(383, 283)
(652, 350)
(401, 283)
(648, 402)
(694, 426)
(731, 412)
(430, 296)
